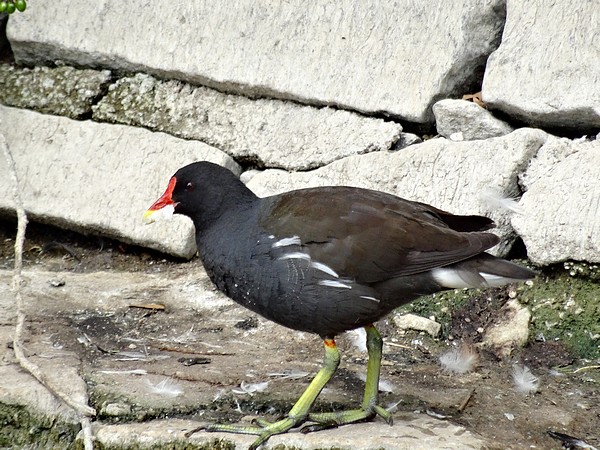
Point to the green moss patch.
(215, 444)
(565, 306)
(21, 429)
(564, 301)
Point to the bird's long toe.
(334, 419)
(263, 429)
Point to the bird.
(327, 260)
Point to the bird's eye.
(189, 187)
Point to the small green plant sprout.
(10, 6)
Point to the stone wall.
(311, 95)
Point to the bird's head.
(201, 191)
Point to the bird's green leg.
(369, 407)
(299, 412)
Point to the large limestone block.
(97, 177)
(546, 72)
(455, 176)
(359, 55)
(265, 132)
(561, 207)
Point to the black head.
(202, 191)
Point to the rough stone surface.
(417, 432)
(546, 71)
(18, 388)
(62, 90)
(93, 310)
(89, 329)
(269, 133)
(561, 205)
(99, 177)
(511, 331)
(449, 175)
(417, 323)
(354, 54)
(467, 119)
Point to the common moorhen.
(327, 260)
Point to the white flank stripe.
(333, 283)
(324, 268)
(294, 240)
(366, 297)
(295, 255)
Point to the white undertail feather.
(495, 199)
(449, 277)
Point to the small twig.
(84, 411)
(583, 369)
(466, 401)
(171, 348)
(64, 248)
(393, 344)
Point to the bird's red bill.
(164, 207)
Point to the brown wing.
(371, 236)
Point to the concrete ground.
(158, 352)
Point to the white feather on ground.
(358, 338)
(289, 374)
(125, 372)
(384, 385)
(459, 359)
(251, 388)
(495, 199)
(393, 407)
(218, 395)
(166, 387)
(524, 381)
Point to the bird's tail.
(483, 270)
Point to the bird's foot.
(263, 429)
(335, 419)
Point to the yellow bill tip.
(148, 217)
(154, 215)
